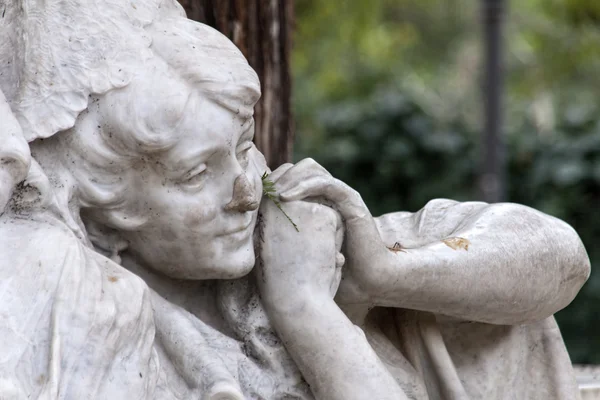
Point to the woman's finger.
(311, 165)
(313, 187)
(303, 170)
(345, 199)
(320, 186)
(282, 169)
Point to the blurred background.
(390, 96)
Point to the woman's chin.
(234, 265)
(237, 264)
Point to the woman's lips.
(241, 228)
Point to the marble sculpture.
(139, 260)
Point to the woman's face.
(200, 198)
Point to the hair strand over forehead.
(208, 60)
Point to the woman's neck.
(199, 298)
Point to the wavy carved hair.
(124, 126)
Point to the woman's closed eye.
(194, 178)
(242, 153)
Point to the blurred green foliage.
(387, 98)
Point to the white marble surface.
(139, 259)
(588, 378)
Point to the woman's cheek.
(256, 169)
(197, 219)
(258, 163)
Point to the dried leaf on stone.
(457, 243)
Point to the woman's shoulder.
(39, 240)
(34, 236)
(55, 288)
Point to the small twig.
(271, 193)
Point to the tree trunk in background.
(262, 29)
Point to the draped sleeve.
(73, 324)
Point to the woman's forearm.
(332, 353)
(508, 264)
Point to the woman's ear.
(120, 219)
(123, 220)
(106, 240)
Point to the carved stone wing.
(53, 54)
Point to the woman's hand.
(294, 265)
(297, 275)
(364, 249)
(309, 180)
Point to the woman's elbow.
(560, 245)
(557, 250)
(573, 266)
(575, 271)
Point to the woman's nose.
(243, 199)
